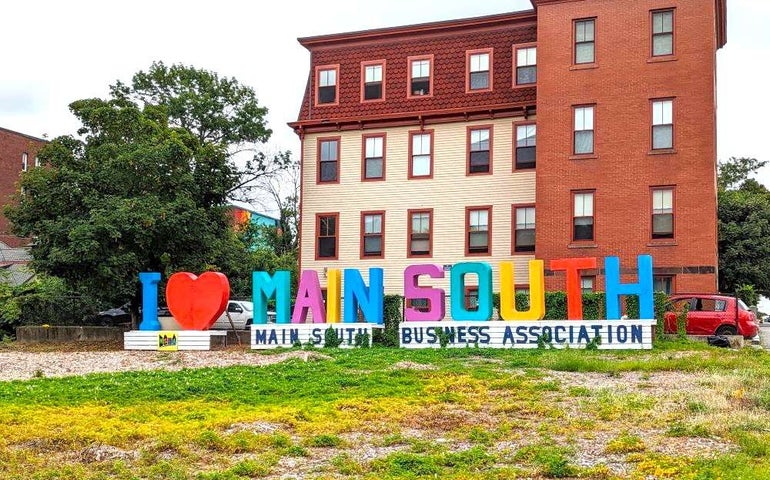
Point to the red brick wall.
(12, 146)
(623, 170)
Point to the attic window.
(327, 85)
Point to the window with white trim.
(584, 130)
(663, 213)
(421, 155)
(524, 240)
(478, 71)
(662, 124)
(327, 86)
(526, 143)
(583, 216)
(372, 82)
(526, 65)
(662, 33)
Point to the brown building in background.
(582, 128)
(18, 153)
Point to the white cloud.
(64, 51)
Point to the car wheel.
(727, 330)
(248, 322)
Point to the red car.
(712, 315)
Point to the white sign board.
(612, 334)
(287, 335)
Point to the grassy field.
(682, 411)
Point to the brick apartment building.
(18, 153)
(581, 128)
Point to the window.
(374, 157)
(421, 83)
(662, 213)
(477, 222)
(471, 299)
(524, 235)
(662, 33)
(373, 80)
(327, 85)
(420, 304)
(584, 41)
(662, 124)
(526, 65)
(586, 284)
(421, 152)
(583, 216)
(479, 70)
(525, 146)
(328, 159)
(37, 161)
(479, 150)
(663, 283)
(24, 162)
(420, 227)
(326, 235)
(584, 130)
(372, 234)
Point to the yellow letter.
(332, 295)
(536, 292)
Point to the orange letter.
(574, 295)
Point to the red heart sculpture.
(197, 302)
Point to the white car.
(241, 313)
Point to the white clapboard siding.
(615, 334)
(186, 339)
(448, 193)
(267, 336)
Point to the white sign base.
(186, 339)
(613, 334)
(274, 335)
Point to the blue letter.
(642, 289)
(149, 281)
(357, 294)
(484, 272)
(263, 287)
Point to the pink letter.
(309, 297)
(435, 296)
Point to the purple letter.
(435, 296)
(309, 297)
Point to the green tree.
(146, 188)
(744, 227)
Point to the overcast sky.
(55, 52)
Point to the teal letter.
(358, 295)
(263, 287)
(642, 289)
(484, 272)
(149, 281)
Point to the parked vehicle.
(712, 315)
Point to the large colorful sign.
(196, 302)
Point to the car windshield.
(742, 305)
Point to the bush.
(393, 315)
(44, 300)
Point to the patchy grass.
(680, 411)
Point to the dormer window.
(479, 68)
(373, 81)
(327, 85)
(421, 76)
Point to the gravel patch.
(27, 365)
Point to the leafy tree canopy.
(744, 227)
(145, 189)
